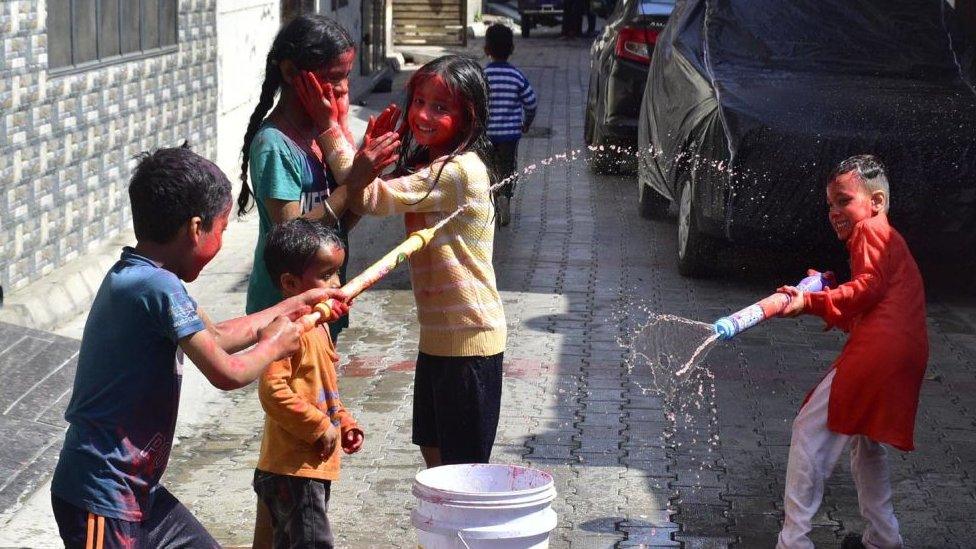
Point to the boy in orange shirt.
(870, 395)
(300, 395)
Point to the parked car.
(748, 108)
(619, 59)
(539, 12)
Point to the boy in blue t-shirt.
(122, 413)
(512, 106)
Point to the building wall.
(67, 142)
(349, 15)
(245, 31)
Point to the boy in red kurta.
(870, 395)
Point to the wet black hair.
(869, 170)
(311, 42)
(499, 42)
(171, 186)
(291, 245)
(466, 80)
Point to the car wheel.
(650, 204)
(696, 250)
(526, 27)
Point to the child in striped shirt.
(512, 110)
(441, 166)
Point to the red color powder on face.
(436, 116)
(207, 247)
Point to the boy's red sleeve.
(840, 306)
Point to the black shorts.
(456, 401)
(167, 524)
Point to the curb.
(66, 292)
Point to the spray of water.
(671, 347)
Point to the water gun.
(322, 312)
(728, 327)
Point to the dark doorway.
(373, 51)
(291, 9)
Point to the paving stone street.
(579, 270)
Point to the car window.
(655, 7)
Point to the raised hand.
(318, 100)
(341, 102)
(375, 155)
(385, 122)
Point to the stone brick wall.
(67, 141)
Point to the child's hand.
(282, 335)
(339, 309)
(326, 444)
(830, 280)
(352, 440)
(300, 305)
(342, 106)
(385, 123)
(372, 158)
(318, 100)
(795, 305)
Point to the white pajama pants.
(814, 451)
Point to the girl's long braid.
(310, 42)
(269, 88)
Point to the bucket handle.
(464, 543)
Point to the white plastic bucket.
(483, 505)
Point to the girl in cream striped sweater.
(441, 153)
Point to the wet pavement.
(578, 270)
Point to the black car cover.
(759, 99)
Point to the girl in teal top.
(287, 170)
(288, 175)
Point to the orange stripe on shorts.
(90, 537)
(100, 537)
(95, 538)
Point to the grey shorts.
(299, 509)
